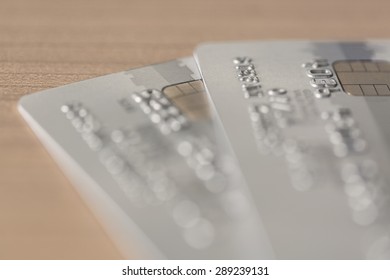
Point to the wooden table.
(48, 43)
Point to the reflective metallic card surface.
(140, 147)
(309, 125)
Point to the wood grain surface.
(48, 43)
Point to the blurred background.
(48, 43)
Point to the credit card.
(309, 126)
(140, 146)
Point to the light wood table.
(48, 43)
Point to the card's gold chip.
(189, 98)
(364, 77)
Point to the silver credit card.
(309, 125)
(141, 148)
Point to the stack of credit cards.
(249, 150)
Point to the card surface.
(309, 125)
(140, 146)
